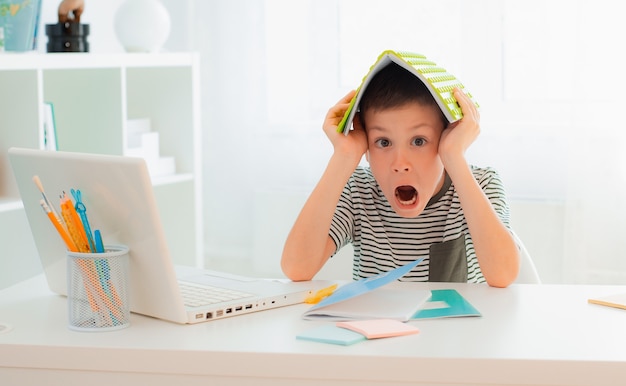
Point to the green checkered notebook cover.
(438, 80)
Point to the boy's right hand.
(353, 145)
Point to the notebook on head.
(120, 201)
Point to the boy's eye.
(382, 142)
(419, 142)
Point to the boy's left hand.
(458, 136)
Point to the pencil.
(69, 243)
(74, 225)
(39, 185)
(90, 271)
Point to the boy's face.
(403, 154)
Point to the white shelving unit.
(93, 97)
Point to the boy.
(418, 198)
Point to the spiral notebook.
(440, 83)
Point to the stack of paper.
(347, 333)
(142, 142)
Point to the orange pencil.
(92, 287)
(55, 221)
(74, 225)
(90, 276)
(90, 272)
(70, 246)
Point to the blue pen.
(101, 264)
(103, 269)
(82, 211)
(98, 237)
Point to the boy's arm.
(308, 245)
(496, 250)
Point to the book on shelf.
(49, 127)
(440, 83)
(20, 21)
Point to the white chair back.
(527, 271)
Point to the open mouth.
(406, 195)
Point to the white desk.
(528, 335)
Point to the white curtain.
(548, 76)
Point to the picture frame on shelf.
(49, 128)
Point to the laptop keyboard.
(201, 295)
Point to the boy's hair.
(393, 86)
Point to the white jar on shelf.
(142, 25)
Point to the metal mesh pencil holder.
(98, 289)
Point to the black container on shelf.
(67, 37)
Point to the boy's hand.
(352, 145)
(458, 136)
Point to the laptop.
(120, 201)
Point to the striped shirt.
(382, 240)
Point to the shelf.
(65, 61)
(7, 205)
(173, 179)
(94, 97)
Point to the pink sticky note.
(379, 328)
